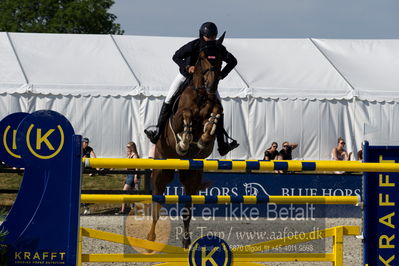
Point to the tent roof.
(78, 64)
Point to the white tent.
(306, 91)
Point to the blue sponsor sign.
(260, 184)
(381, 221)
(43, 224)
(8, 144)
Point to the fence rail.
(241, 165)
(197, 199)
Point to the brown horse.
(190, 132)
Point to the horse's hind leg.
(160, 179)
(192, 184)
(185, 137)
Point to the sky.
(338, 19)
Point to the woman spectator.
(339, 153)
(272, 152)
(132, 181)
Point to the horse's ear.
(220, 40)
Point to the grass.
(9, 181)
(111, 182)
(97, 182)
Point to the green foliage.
(3, 248)
(58, 16)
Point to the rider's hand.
(190, 69)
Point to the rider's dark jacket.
(188, 54)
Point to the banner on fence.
(381, 220)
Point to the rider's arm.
(181, 55)
(231, 62)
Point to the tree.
(58, 16)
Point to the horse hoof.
(151, 237)
(179, 151)
(184, 146)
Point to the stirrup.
(227, 147)
(234, 144)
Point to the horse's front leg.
(155, 208)
(186, 136)
(209, 128)
(160, 179)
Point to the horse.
(190, 132)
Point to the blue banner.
(253, 184)
(43, 224)
(381, 223)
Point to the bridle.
(205, 71)
(212, 69)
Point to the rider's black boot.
(154, 135)
(223, 145)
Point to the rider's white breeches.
(175, 86)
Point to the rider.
(185, 58)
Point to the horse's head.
(209, 64)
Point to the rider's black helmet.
(208, 29)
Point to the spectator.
(272, 152)
(88, 151)
(286, 152)
(338, 153)
(132, 181)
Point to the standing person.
(132, 181)
(87, 152)
(186, 58)
(286, 152)
(339, 153)
(272, 152)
